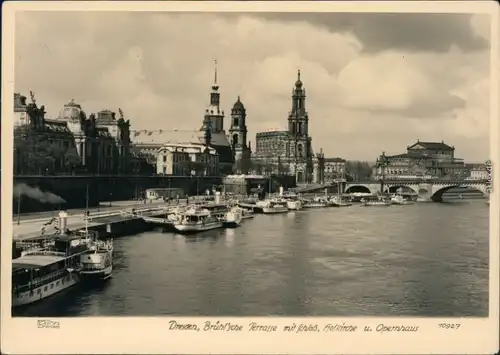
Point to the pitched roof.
(334, 160)
(161, 136)
(57, 126)
(433, 145)
(409, 155)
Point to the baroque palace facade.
(429, 159)
(290, 151)
(71, 142)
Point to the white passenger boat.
(41, 272)
(247, 214)
(272, 206)
(233, 217)
(97, 263)
(196, 219)
(375, 203)
(175, 213)
(317, 202)
(400, 200)
(338, 201)
(294, 204)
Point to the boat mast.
(87, 209)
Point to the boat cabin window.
(45, 288)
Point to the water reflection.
(230, 233)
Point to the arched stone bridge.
(426, 189)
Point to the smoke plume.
(36, 194)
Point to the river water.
(427, 259)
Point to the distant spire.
(215, 79)
(298, 74)
(215, 87)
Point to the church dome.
(71, 111)
(238, 105)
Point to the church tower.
(299, 147)
(238, 137)
(213, 113)
(298, 120)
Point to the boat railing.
(46, 253)
(39, 281)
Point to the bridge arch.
(438, 195)
(405, 189)
(358, 188)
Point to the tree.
(33, 152)
(72, 159)
(358, 170)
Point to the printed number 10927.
(449, 325)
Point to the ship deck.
(35, 261)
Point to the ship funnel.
(217, 197)
(63, 222)
(281, 190)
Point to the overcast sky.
(374, 81)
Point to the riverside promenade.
(28, 226)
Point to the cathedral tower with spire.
(238, 138)
(213, 129)
(300, 154)
(214, 114)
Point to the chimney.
(63, 222)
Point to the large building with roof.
(289, 151)
(231, 147)
(71, 141)
(429, 159)
(187, 159)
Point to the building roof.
(34, 261)
(71, 111)
(160, 137)
(409, 155)
(334, 160)
(238, 105)
(271, 134)
(106, 117)
(432, 145)
(186, 148)
(57, 126)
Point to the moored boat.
(375, 203)
(338, 201)
(247, 214)
(400, 200)
(294, 204)
(41, 272)
(196, 219)
(317, 202)
(97, 263)
(274, 206)
(233, 217)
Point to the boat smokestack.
(281, 190)
(63, 222)
(217, 197)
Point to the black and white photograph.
(244, 163)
